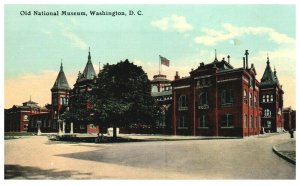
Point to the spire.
(61, 80)
(216, 55)
(89, 57)
(269, 77)
(61, 65)
(89, 71)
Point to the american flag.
(164, 61)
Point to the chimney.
(246, 54)
(228, 58)
(177, 76)
(244, 62)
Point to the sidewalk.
(154, 137)
(287, 151)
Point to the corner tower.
(271, 100)
(60, 92)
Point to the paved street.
(249, 158)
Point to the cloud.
(162, 24)
(173, 23)
(37, 85)
(212, 37)
(76, 41)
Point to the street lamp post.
(39, 127)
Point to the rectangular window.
(269, 124)
(227, 121)
(182, 103)
(227, 97)
(203, 121)
(268, 98)
(250, 123)
(264, 98)
(271, 98)
(182, 122)
(245, 121)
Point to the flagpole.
(159, 64)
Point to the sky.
(185, 34)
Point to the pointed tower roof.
(269, 78)
(89, 71)
(61, 80)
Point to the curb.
(283, 156)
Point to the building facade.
(59, 100)
(217, 100)
(17, 118)
(161, 90)
(289, 118)
(271, 101)
(85, 83)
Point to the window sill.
(203, 128)
(227, 127)
(182, 128)
(227, 105)
(182, 108)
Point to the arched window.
(203, 99)
(245, 97)
(250, 99)
(255, 104)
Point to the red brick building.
(17, 118)
(271, 101)
(59, 99)
(289, 118)
(84, 85)
(217, 100)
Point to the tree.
(123, 97)
(80, 110)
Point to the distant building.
(289, 118)
(17, 118)
(271, 101)
(162, 92)
(217, 100)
